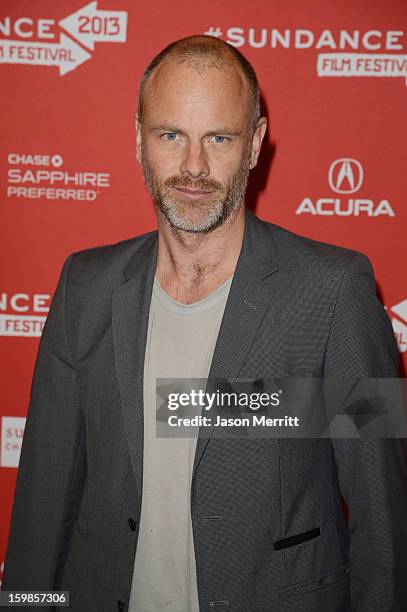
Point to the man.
(130, 521)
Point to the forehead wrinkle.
(232, 72)
(199, 65)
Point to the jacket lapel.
(248, 301)
(130, 310)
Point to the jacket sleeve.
(52, 464)
(372, 470)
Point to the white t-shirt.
(181, 339)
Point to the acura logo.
(345, 175)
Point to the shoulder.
(299, 254)
(320, 273)
(105, 264)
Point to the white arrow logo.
(400, 324)
(66, 54)
(88, 25)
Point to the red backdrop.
(333, 77)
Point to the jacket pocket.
(322, 581)
(298, 538)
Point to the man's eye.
(220, 139)
(170, 135)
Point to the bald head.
(201, 53)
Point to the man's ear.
(138, 139)
(257, 139)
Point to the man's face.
(196, 143)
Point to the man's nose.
(195, 162)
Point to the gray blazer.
(295, 306)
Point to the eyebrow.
(224, 131)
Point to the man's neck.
(190, 265)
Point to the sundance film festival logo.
(12, 432)
(22, 314)
(52, 47)
(345, 177)
(352, 53)
(33, 176)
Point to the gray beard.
(216, 212)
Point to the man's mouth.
(193, 193)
